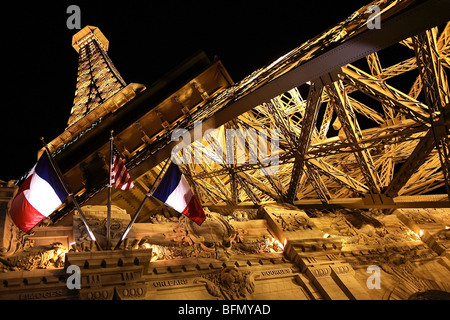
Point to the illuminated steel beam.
(385, 93)
(375, 68)
(235, 180)
(315, 169)
(406, 130)
(349, 41)
(367, 111)
(429, 177)
(353, 134)
(433, 76)
(437, 94)
(416, 201)
(276, 186)
(308, 126)
(259, 185)
(280, 111)
(316, 181)
(337, 175)
(387, 165)
(435, 86)
(326, 121)
(415, 160)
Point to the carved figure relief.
(217, 238)
(292, 222)
(229, 283)
(42, 259)
(96, 219)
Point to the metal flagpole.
(108, 215)
(66, 188)
(147, 195)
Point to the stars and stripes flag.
(174, 191)
(120, 178)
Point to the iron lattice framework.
(383, 143)
(97, 79)
(370, 132)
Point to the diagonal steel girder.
(437, 92)
(304, 141)
(386, 94)
(415, 160)
(437, 95)
(350, 125)
(435, 86)
(282, 75)
(337, 175)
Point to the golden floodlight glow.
(157, 251)
(420, 233)
(326, 235)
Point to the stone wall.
(280, 253)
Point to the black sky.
(147, 39)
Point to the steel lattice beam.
(353, 134)
(308, 126)
(437, 94)
(346, 164)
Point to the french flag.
(39, 195)
(174, 191)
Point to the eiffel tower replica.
(352, 203)
(97, 79)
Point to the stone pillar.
(107, 275)
(344, 275)
(431, 225)
(315, 253)
(7, 192)
(321, 278)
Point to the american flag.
(120, 178)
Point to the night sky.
(147, 39)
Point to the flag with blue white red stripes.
(39, 195)
(174, 191)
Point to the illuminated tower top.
(97, 79)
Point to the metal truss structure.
(353, 118)
(385, 143)
(97, 79)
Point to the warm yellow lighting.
(273, 245)
(326, 235)
(157, 251)
(146, 246)
(277, 244)
(413, 235)
(420, 233)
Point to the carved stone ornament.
(96, 219)
(41, 259)
(229, 283)
(217, 238)
(293, 221)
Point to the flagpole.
(147, 195)
(108, 215)
(66, 189)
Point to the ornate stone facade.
(275, 253)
